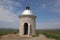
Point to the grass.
(50, 33)
(8, 31)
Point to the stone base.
(25, 36)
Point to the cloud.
(8, 19)
(52, 5)
(6, 14)
(11, 4)
(56, 6)
(4, 24)
(51, 24)
(43, 5)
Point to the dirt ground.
(15, 37)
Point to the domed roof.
(27, 11)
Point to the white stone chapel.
(27, 23)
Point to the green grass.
(50, 33)
(8, 31)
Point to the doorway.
(25, 28)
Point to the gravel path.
(15, 37)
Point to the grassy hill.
(8, 31)
(49, 33)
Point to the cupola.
(27, 11)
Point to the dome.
(27, 11)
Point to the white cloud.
(6, 9)
(43, 5)
(50, 24)
(6, 15)
(10, 4)
(56, 6)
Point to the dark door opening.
(25, 28)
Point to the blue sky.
(47, 12)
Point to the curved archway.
(25, 28)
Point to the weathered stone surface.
(30, 19)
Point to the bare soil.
(16, 37)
